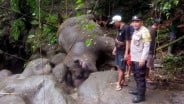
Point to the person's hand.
(126, 56)
(119, 42)
(141, 63)
(154, 56)
(114, 52)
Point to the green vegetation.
(29, 23)
(44, 24)
(173, 64)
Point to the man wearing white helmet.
(122, 44)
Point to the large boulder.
(42, 89)
(37, 67)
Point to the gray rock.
(98, 89)
(36, 56)
(49, 50)
(11, 99)
(37, 67)
(38, 90)
(5, 73)
(59, 71)
(58, 58)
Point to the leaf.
(78, 1)
(79, 6)
(31, 36)
(88, 42)
(175, 2)
(52, 19)
(15, 5)
(79, 14)
(34, 22)
(15, 33)
(16, 27)
(89, 26)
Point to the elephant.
(81, 59)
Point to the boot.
(134, 92)
(138, 99)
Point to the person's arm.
(127, 41)
(146, 38)
(114, 51)
(127, 48)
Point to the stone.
(37, 67)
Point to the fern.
(15, 5)
(16, 28)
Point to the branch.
(173, 42)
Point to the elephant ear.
(80, 63)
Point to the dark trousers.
(139, 75)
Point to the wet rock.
(37, 67)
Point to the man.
(139, 50)
(122, 44)
(150, 61)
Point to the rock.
(38, 90)
(37, 67)
(98, 89)
(11, 99)
(49, 50)
(5, 73)
(58, 58)
(35, 56)
(59, 71)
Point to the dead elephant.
(81, 60)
